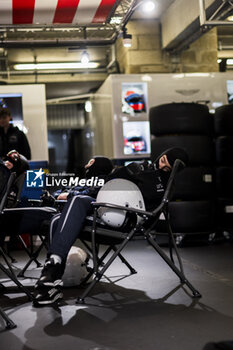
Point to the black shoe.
(47, 296)
(51, 275)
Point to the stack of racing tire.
(191, 127)
(223, 122)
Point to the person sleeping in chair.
(71, 221)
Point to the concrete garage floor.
(148, 310)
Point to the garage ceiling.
(34, 31)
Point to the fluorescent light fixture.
(85, 58)
(197, 75)
(230, 18)
(60, 65)
(190, 75)
(148, 6)
(230, 61)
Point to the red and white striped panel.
(47, 12)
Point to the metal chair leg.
(124, 261)
(99, 274)
(178, 272)
(9, 323)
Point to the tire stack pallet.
(223, 123)
(189, 126)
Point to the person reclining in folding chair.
(73, 217)
(19, 216)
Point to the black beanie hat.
(176, 153)
(101, 166)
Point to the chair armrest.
(168, 192)
(40, 200)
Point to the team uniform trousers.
(65, 227)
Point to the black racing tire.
(200, 148)
(192, 216)
(194, 183)
(223, 120)
(224, 150)
(181, 118)
(225, 214)
(224, 182)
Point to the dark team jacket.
(152, 182)
(14, 139)
(19, 168)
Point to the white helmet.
(76, 267)
(120, 192)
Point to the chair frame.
(99, 268)
(9, 271)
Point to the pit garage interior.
(75, 64)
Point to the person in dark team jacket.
(69, 224)
(18, 164)
(11, 137)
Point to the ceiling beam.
(50, 78)
(181, 22)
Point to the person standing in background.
(11, 137)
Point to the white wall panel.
(34, 115)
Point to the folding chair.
(6, 180)
(116, 240)
(32, 220)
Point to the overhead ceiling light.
(230, 18)
(88, 106)
(178, 76)
(116, 20)
(219, 60)
(85, 58)
(146, 77)
(148, 6)
(60, 65)
(127, 38)
(127, 41)
(229, 61)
